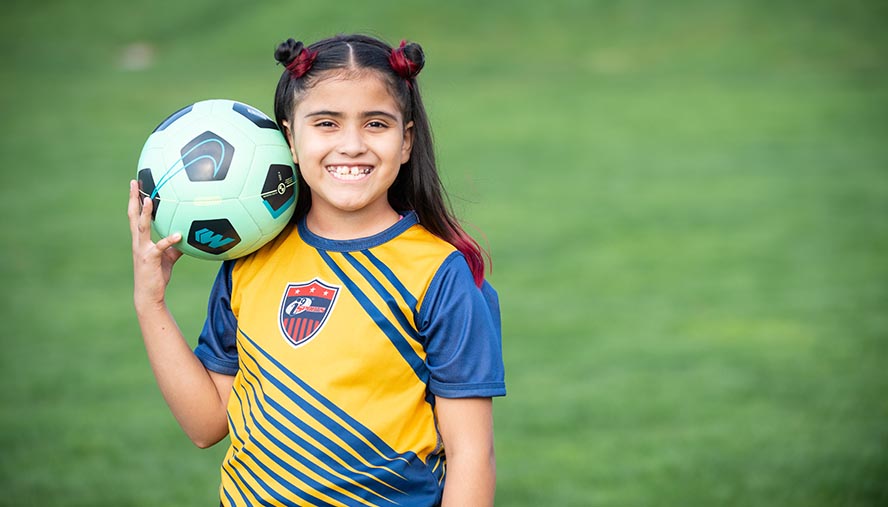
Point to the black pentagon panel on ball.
(173, 117)
(278, 190)
(255, 116)
(146, 187)
(213, 236)
(207, 157)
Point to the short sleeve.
(460, 324)
(217, 344)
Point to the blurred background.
(685, 202)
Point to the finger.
(145, 217)
(132, 208)
(169, 241)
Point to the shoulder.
(453, 285)
(282, 244)
(462, 334)
(417, 241)
(413, 257)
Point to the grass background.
(686, 204)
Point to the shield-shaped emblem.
(305, 308)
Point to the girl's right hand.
(152, 262)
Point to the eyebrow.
(336, 114)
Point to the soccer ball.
(220, 173)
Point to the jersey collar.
(351, 245)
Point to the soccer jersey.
(339, 349)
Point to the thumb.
(169, 241)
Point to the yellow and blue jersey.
(339, 349)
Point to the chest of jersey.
(336, 332)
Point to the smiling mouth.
(349, 172)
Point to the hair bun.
(295, 57)
(414, 53)
(287, 51)
(407, 60)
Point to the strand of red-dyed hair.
(473, 253)
(302, 63)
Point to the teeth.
(349, 172)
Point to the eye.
(325, 124)
(377, 124)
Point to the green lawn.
(686, 203)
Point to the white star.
(312, 289)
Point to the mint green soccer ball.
(220, 173)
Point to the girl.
(352, 360)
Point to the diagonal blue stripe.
(384, 475)
(396, 283)
(230, 500)
(278, 479)
(312, 483)
(419, 484)
(244, 466)
(347, 434)
(271, 492)
(385, 295)
(252, 491)
(240, 492)
(340, 473)
(397, 339)
(249, 470)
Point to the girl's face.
(349, 139)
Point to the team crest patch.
(305, 308)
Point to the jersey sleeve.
(461, 327)
(217, 344)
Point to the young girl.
(352, 360)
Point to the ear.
(288, 135)
(407, 145)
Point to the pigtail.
(419, 187)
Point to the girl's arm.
(196, 396)
(466, 426)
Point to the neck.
(341, 225)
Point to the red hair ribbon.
(402, 65)
(302, 63)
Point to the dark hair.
(417, 186)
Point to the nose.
(352, 142)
